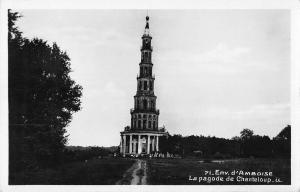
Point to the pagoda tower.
(142, 137)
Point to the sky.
(217, 71)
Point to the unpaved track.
(135, 175)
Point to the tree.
(42, 98)
(285, 133)
(246, 134)
(13, 31)
(236, 138)
(282, 143)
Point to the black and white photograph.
(149, 97)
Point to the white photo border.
(292, 5)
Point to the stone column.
(130, 144)
(124, 145)
(148, 144)
(134, 146)
(147, 122)
(153, 141)
(157, 149)
(139, 145)
(121, 145)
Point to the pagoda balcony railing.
(149, 93)
(151, 76)
(159, 129)
(146, 48)
(144, 110)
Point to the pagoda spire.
(143, 136)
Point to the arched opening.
(140, 85)
(144, 104)
(151, 85)
(145, 85)
(146, 56)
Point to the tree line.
(79, 153)
(245, 145)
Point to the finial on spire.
(147, 22)
(146, 32)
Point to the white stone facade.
(139, 143)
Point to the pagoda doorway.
(144, 145)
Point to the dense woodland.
(245, 145)
(43, 97)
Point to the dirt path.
(135, 175)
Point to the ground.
(106, 171)
(135, 175)
(184, 171)
(125, 171)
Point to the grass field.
(108, 171)
(178, 171)
(93, 172)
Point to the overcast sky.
(217, 71)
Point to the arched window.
(143, 57)
(139, 124)
(147, 56)
(144, 104)
(151, 85)
(145, 85)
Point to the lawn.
(93, 172)
(187, 171)
(191, 171)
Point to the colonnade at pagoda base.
(137, 144)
